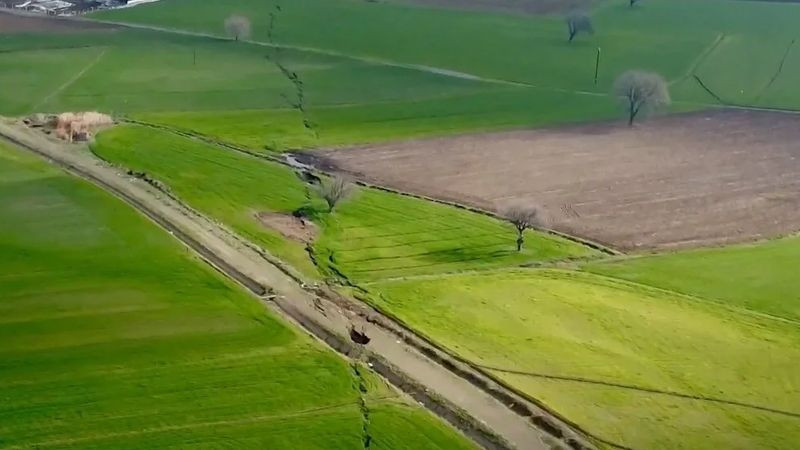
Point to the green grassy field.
(114, 337)
(175, 80)
(355, 98)
(129, 71)
(374, 235)
(760, 277)
(558, 336)
(511, 47)
(337, 126)
(103, 350)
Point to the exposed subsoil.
(690, 180)
(29, 23)
(289, 226)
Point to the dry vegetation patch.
(680, 181)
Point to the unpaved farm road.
(489, 421)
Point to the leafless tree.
(334, 190)
(641, 92)
(237, 27)
(578, 22)
(523, 218)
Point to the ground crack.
(362, 392)
(299, 103)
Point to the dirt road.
(395, 355)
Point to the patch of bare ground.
(291, 227)
(690, 180)
(29, 23)
(535, 7)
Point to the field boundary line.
(71, 81)
(327, 320)
(644, 389)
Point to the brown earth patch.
(536, 7)
(291, 227)
(680, 181)
(14, 23)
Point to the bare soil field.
(289, 226)
(16, 23)
(680, 181)
(508, 6)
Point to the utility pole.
(597, 67)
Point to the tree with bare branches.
(641, 92)
(237, 27)
(523, 218)
(578, 22)
(334, 191)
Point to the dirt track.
(450, 389)
(679, 181)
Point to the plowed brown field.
(14, 23)
(679, 181)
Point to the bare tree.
(578, 22)
(523, 218)
(237, 27)
(334, 190)
(641, 92)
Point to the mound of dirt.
(69, 126)
(291, 227)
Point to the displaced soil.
(509, 6)
(16, 23)
(688, 180)
(291, 227)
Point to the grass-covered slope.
(114, 337)
(373, 235)
(762, 277)
(618, 359)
